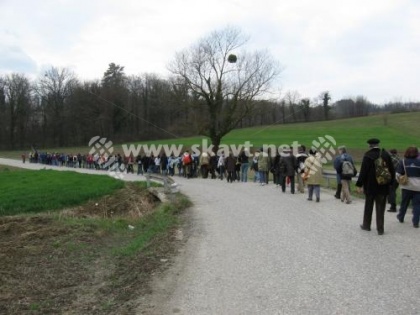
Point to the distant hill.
(394, 130)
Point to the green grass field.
(27, 191)
(394, 130)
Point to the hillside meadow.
(394, 130)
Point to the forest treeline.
(58, 110)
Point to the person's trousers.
(244, 172)
(262, 177)
(345, 190)
(406, 197)
(314, 189)
(380, 202)
(393, 194)
(292, 183)
(301, 184)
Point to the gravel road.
(254, 250)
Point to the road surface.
(254, 250)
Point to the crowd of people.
(286, 169)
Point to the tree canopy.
(227, 91)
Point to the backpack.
(383, 175)
(347, 168)
(186, 159)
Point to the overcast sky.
(350, 48)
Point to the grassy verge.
(93, 258)
(38, 191)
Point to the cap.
(373, 141)
(341, 147)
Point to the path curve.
(256, 250)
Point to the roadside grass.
(96, 255)
(37, 191)
(156, 223)
(134, 233)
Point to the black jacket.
(367, 175)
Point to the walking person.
(204, 164)
(375, 192)
(187, 161)
(244, 160)
(213, 164)
(164, 164)
(410, 166)
(275, 170)
(337, 162)
(262, 166)
(301, 156)
(230, 164)
(254, 167)
(221, 165)
(313, 174)
(171, 164)
(346, 170)
(139, 165)
(392, 197)
(287, 169)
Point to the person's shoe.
(364, 228)
(310, 199)
(392, 210)
(317, 199)
(348, 202)
(416, 226)
(400, 219)
(380, 232)
(337, 197)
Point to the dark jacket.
(367, 175)
(230, 163)
(243, 158)
(287, 164)
(411, 167)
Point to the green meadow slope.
(394, 130)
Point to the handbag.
(403, 179)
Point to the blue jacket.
(412, 168)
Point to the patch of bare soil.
(48, 266)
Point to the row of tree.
(211, 91)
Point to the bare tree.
(226, 86)
(54, 89)
(305, 107)
(17, 90)
(2, 112)
(292, 99)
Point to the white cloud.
(347, 47)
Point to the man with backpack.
(346, 170)
(187, 161)
(376, 174)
